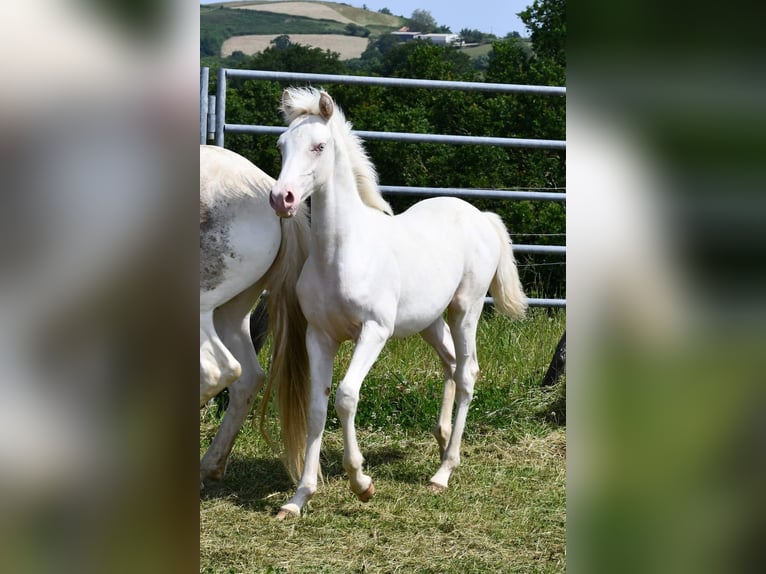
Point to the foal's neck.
(336, 208)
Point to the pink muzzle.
(283, 203)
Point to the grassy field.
(505, 508)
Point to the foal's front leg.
(321, 350)
(369, 344)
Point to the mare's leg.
(369, 344)
(321, 351)
(232, 321)
(439, 337)
(463, 323)
(217, 366)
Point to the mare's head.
(316, 125)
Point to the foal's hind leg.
(233, 322)
(463, 323)
(439, 337)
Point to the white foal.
(371, 276)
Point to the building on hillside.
(404, 34)
(440, 39)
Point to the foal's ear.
(325, 105)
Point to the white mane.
(305, 101)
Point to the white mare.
(371, 276)
(245, 249)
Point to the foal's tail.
(506, 287)
(289, 374)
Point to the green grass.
(235, 22)
(504, 510)
(476, 51)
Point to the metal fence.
(213, 126)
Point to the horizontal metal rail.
(221, 127)
(483, 193)
(549, 249)
(395, 82)
(535, 302)
(415, 138)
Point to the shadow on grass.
(261, 484)
(394, 463)
(250, 483)
(555, 412)
(389, 461)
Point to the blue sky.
(493, 16)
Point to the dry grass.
(347, 46)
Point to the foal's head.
(315, 126)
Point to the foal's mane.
(297, 102)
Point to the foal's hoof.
(287, 510)
(367, 494)
(436, 488)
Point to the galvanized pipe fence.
(213, 126)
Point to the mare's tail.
(506, 287)
(289, 375)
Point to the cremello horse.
(371, 276)
(245, 249)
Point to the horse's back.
(449, 226)
(446, 249)
(239, 233)
(224, 173)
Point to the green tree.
(471, 36)
(357, 30)
(546, 21)
(372, 56)
(210, 45)
(423, 59)
(281, 42)
(421, 21)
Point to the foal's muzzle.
(283, 203)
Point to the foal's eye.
(318, 148)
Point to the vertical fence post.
(204, 75)
(220, 107)
(211, 121)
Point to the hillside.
(323, 10)
(251, 25)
